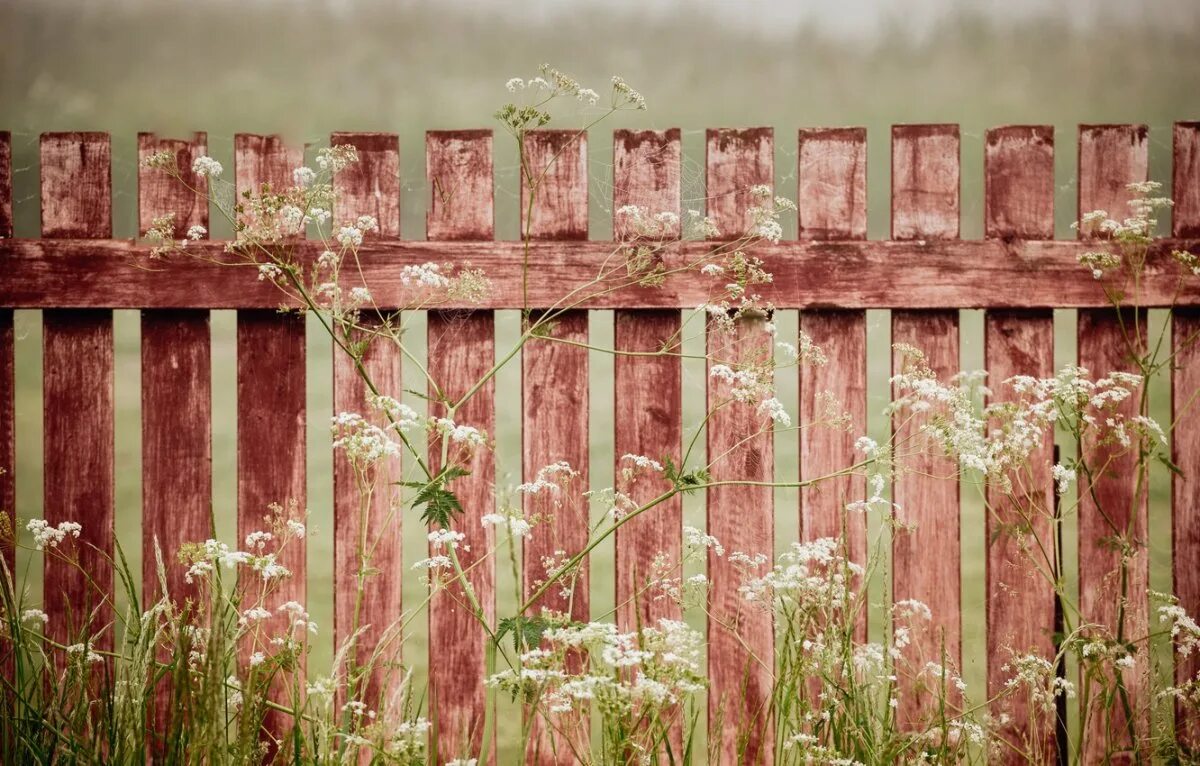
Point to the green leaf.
(527, 631)
(441, 505)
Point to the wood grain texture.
(458, 164)
(77, 353)
(176, 386)
(1185, 527)
(1185, 437)
(1020, 595)
(6, 199)
(831, 203)
(740, 446)
(647, 406)
(554, 176)
(554, 401)
(270, 401)
(1019, 203)
(917, 274)
(461, 351)
(925, 548)
(831, 196)
(370, 186)
(1185, 216)
(925, 182)
(1019, 182)
(159, 193)
(1111, 156)
(368, 529)
(176, 411)
(76, 185)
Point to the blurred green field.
(306, 69)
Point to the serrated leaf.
(441, 505)
(527, 631)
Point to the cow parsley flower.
(445, 537)
(303, 176)
(1063, 477)
(350, 236)
(47, 536)
(468, 436)
(512, 519)
(206, 167)
(774, 409)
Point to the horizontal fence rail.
(78, 273)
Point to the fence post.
(371, 187)
(554, 396)
(78, 398)
(270, 399)
(1112, 503)
(176, 406)
(831, 204)
(741, 637)
(1019, 204)
(1185, 411)
(462, 350)
(925, 543)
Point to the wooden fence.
(76, 272)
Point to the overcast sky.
(853, 18)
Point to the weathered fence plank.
(270, 398)
(367, 529)
(78, 399)
(176, 406)
(740, 446)
(1019, 204)
(832, 204)
(925, 545)
(648, 414)
(176, 386)
(648, 396)
(1185, 505)
(1113, 502)
(554, 396)
(461, 352)
(914, 274)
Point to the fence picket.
(176, 404)
(1019, 204)
(831, 204)
(270, 397)
(461, 351)
(925, 545)
(371, 187)
(554, 395)
(176, 386)
(1185, 505)
(1111, 156)
(78, 397)
(740, 447)
(648, 396)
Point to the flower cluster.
(46, 535)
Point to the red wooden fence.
(77, 273)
